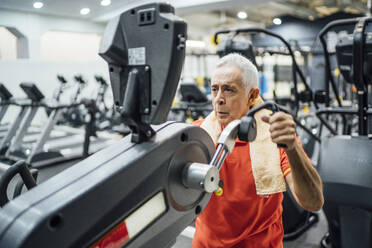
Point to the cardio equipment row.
(73, 130)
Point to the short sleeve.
(284, 163)
(198, 122)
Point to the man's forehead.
(237, 83)
(227, 75)
(226, 80)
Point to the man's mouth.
(222, 113)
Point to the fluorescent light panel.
(242, 15)
(277, 21)
(38, 5)
(105, 2)
(84, 11)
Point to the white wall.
(43, 74)
(8, 44)
(56, 45)
(34, 26)
(70, 46)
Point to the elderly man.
(249, 212)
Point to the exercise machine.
(345, 160)
(193, 104)
(22, 122)
(5, 97)
(67, 146)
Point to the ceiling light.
(105, 2)
(277, 21)
(84, 11)
(38, 5)
(242, 15)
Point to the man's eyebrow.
(230, 86)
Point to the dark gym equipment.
(5, 97)
(345, 161)
(296, 70)
(62, 84)
(7, 173)
(58, 91)
(130, 61)
(75, 116)
(191, 93)
(194, 104)
(244, 48)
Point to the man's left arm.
(304, 181)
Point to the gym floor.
(310, 239)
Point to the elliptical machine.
(345, 160)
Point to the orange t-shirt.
(240, 218)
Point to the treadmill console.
(32, 91)
(61, 79)
(5, 95)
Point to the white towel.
(265, 155)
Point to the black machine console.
(32, 92)
(5, 95)
(344, 51)
(145, 50)
(191, 93)
(243, 47)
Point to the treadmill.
(69, 145)
(5, 97)
(8, 100)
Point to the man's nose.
(220, 100)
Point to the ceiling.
(71, 8)
(205, 13)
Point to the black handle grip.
(282, 145)
(20, 168)
(267, 105)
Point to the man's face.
(229, 97)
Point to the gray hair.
(249, 70)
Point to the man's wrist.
(291, 148)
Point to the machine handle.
(20, 168)
(267, 105)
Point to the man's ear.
(252, 95)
